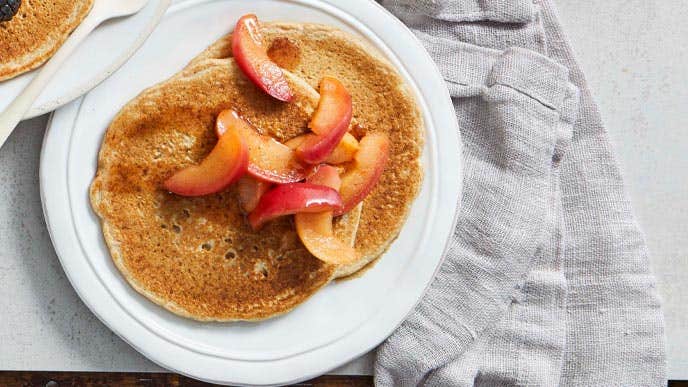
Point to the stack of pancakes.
(198, 257)
(36, 32)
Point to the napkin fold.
(546, 280)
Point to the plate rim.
(77, 283)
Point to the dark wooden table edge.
(126, 379)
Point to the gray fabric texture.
(546, 280)
(514, 11)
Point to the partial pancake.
(36, 32)
(198, 257)
(382, 102)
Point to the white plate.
(339, 323)
(103, 52)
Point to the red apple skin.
(269, 160)
(225, 164)
(288, 199)
(343, 153)
(330, 122)
(315, 229)
(252, 58)
(249, 191)
(369, 163)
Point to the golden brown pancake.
(196, 256)
(36, 32)
(382, 102)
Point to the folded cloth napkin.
(546, 280)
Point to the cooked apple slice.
(315, 229)
(369, 163)
(252, 58)
(269, 159)
(334, 108)
(317, 235)
(326, 175)
(343, 153)
(288, 199)
(225, 164)
(345, 150)
(250, 191)
(330, 122)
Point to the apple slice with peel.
(250, 191)
(315, 229)
(252, 58)
(369, 163)
(269, 159)
(343, 153)
(330, 122)
(288, 199)
(225, 164)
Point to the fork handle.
(16, 110)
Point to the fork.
(102, 10)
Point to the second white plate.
(341, 322)
(103, 52)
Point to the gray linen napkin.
(546, 280)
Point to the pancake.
(36, 32)
(382, 102)
(197, 257)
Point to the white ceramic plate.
(103, 52)
(339, 323)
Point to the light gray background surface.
(634, 55)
